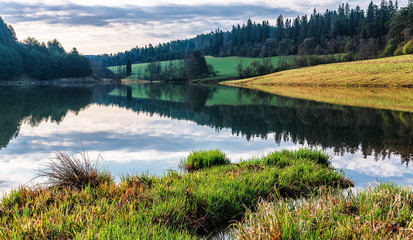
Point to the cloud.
(76, 15)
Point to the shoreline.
(53, 81)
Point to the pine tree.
(128, 68)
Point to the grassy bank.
(210, 195)
(381, 212)
(380, 83)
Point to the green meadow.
(81, 202)
(226, 67)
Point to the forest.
(33, 60)
(380, 31)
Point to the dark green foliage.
(345, 30)
(192, 67)
(204, 159)
(154, 71)
(11, 63)
(34, 60)
(402, 25)
(7, 34)
(196, 66)
(128, 68)
(256, 68)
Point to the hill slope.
(379, 83)
(389, 72)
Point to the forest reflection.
(248, 113)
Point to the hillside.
(226, 67)
(380, 83)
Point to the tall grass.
(381, 212)
(74, 171)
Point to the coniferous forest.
(31, 59)
(380, 31)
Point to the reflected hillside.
(247, 113)
(256, 114)
(35, 104)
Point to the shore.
(53, 81)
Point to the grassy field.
(381, 83)
(381, 212)
(389, 72)
(226, 67)
(211, 195)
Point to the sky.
(107, 26)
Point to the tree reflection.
(374, 132)
(36, 104)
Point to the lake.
(148, 128)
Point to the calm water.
(149, 128)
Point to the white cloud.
(114, 26)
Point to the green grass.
(174, 206)
(381, 212)
(204, 159)
(226, 67)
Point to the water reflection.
(149, 128)
(345, 129)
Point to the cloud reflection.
(128, 142)
(135, 143)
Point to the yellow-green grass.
(174, 206)
(400, 99)
(381, 83)
(381, 212)
(389, 72)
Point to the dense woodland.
(31, 59)
(381, 30)
(192, 67)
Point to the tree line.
(381, 30)
(32, 59)
(192, 67)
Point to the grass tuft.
(204, 159)
(74, 171)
